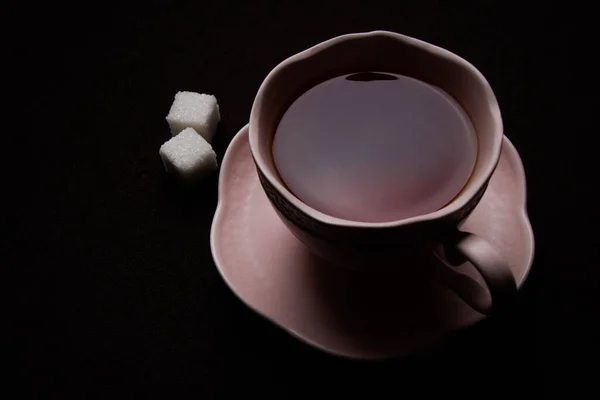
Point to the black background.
(108, 258)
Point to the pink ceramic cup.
(366, 245)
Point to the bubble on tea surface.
(375, 150)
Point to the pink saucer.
(364, 315)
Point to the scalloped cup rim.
(455, 205)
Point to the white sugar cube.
(188, 156)
(194, 110)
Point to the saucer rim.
(217, 260)
(216, 223)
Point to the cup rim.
(471, 188)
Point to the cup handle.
(491, 266)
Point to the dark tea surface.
(375, 147)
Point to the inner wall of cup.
(383, 54)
